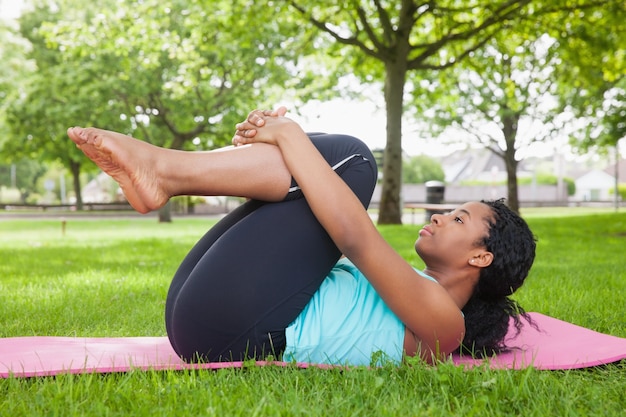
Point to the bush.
(621, 189)
(10, 195)
(550, 179)
(419, 169)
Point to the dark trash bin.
(435, 191)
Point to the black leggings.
(253, 272)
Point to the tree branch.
(352, 40)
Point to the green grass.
(108, 277)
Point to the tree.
(23, 175)
(502, 97)
(182, 71)
(506, 96)
(178, 74)
(14, 64)
(390, 40)
(422, 168)
(54, 95)
(593, 83)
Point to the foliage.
(178, 74)
(399, 44)
(14, 64)
(550, 179)
(593, 82)
(419, 169)
(509, 94)
(488, 97)
(182, 73)
(55, 94)
(621, 190)
(386, 41)
(539, 178)
(24, 175)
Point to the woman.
(268, 278)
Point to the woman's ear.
(481, 259)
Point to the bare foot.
(128, 161)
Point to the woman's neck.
(459, 284)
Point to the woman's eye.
(458, 219)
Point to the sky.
(364, 119)
(10, 9)
(357, 118)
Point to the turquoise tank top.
(346, 323)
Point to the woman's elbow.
(351, 241)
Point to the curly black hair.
(489, 310)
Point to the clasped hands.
(260, 126)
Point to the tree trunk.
(509, 129)
(165, 213)
(390, 211)
(511, 171)
(75, 169)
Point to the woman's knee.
(337, 147)
(351, 159)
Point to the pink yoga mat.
(557, 345)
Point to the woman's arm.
(423, 306)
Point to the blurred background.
(518, 99)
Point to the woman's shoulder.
(346, 264)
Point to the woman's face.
(452, 237)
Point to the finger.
(281, 111)
(246, 133)
(245, 126)
(238, 140)
(256, 117)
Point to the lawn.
(109, 277)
